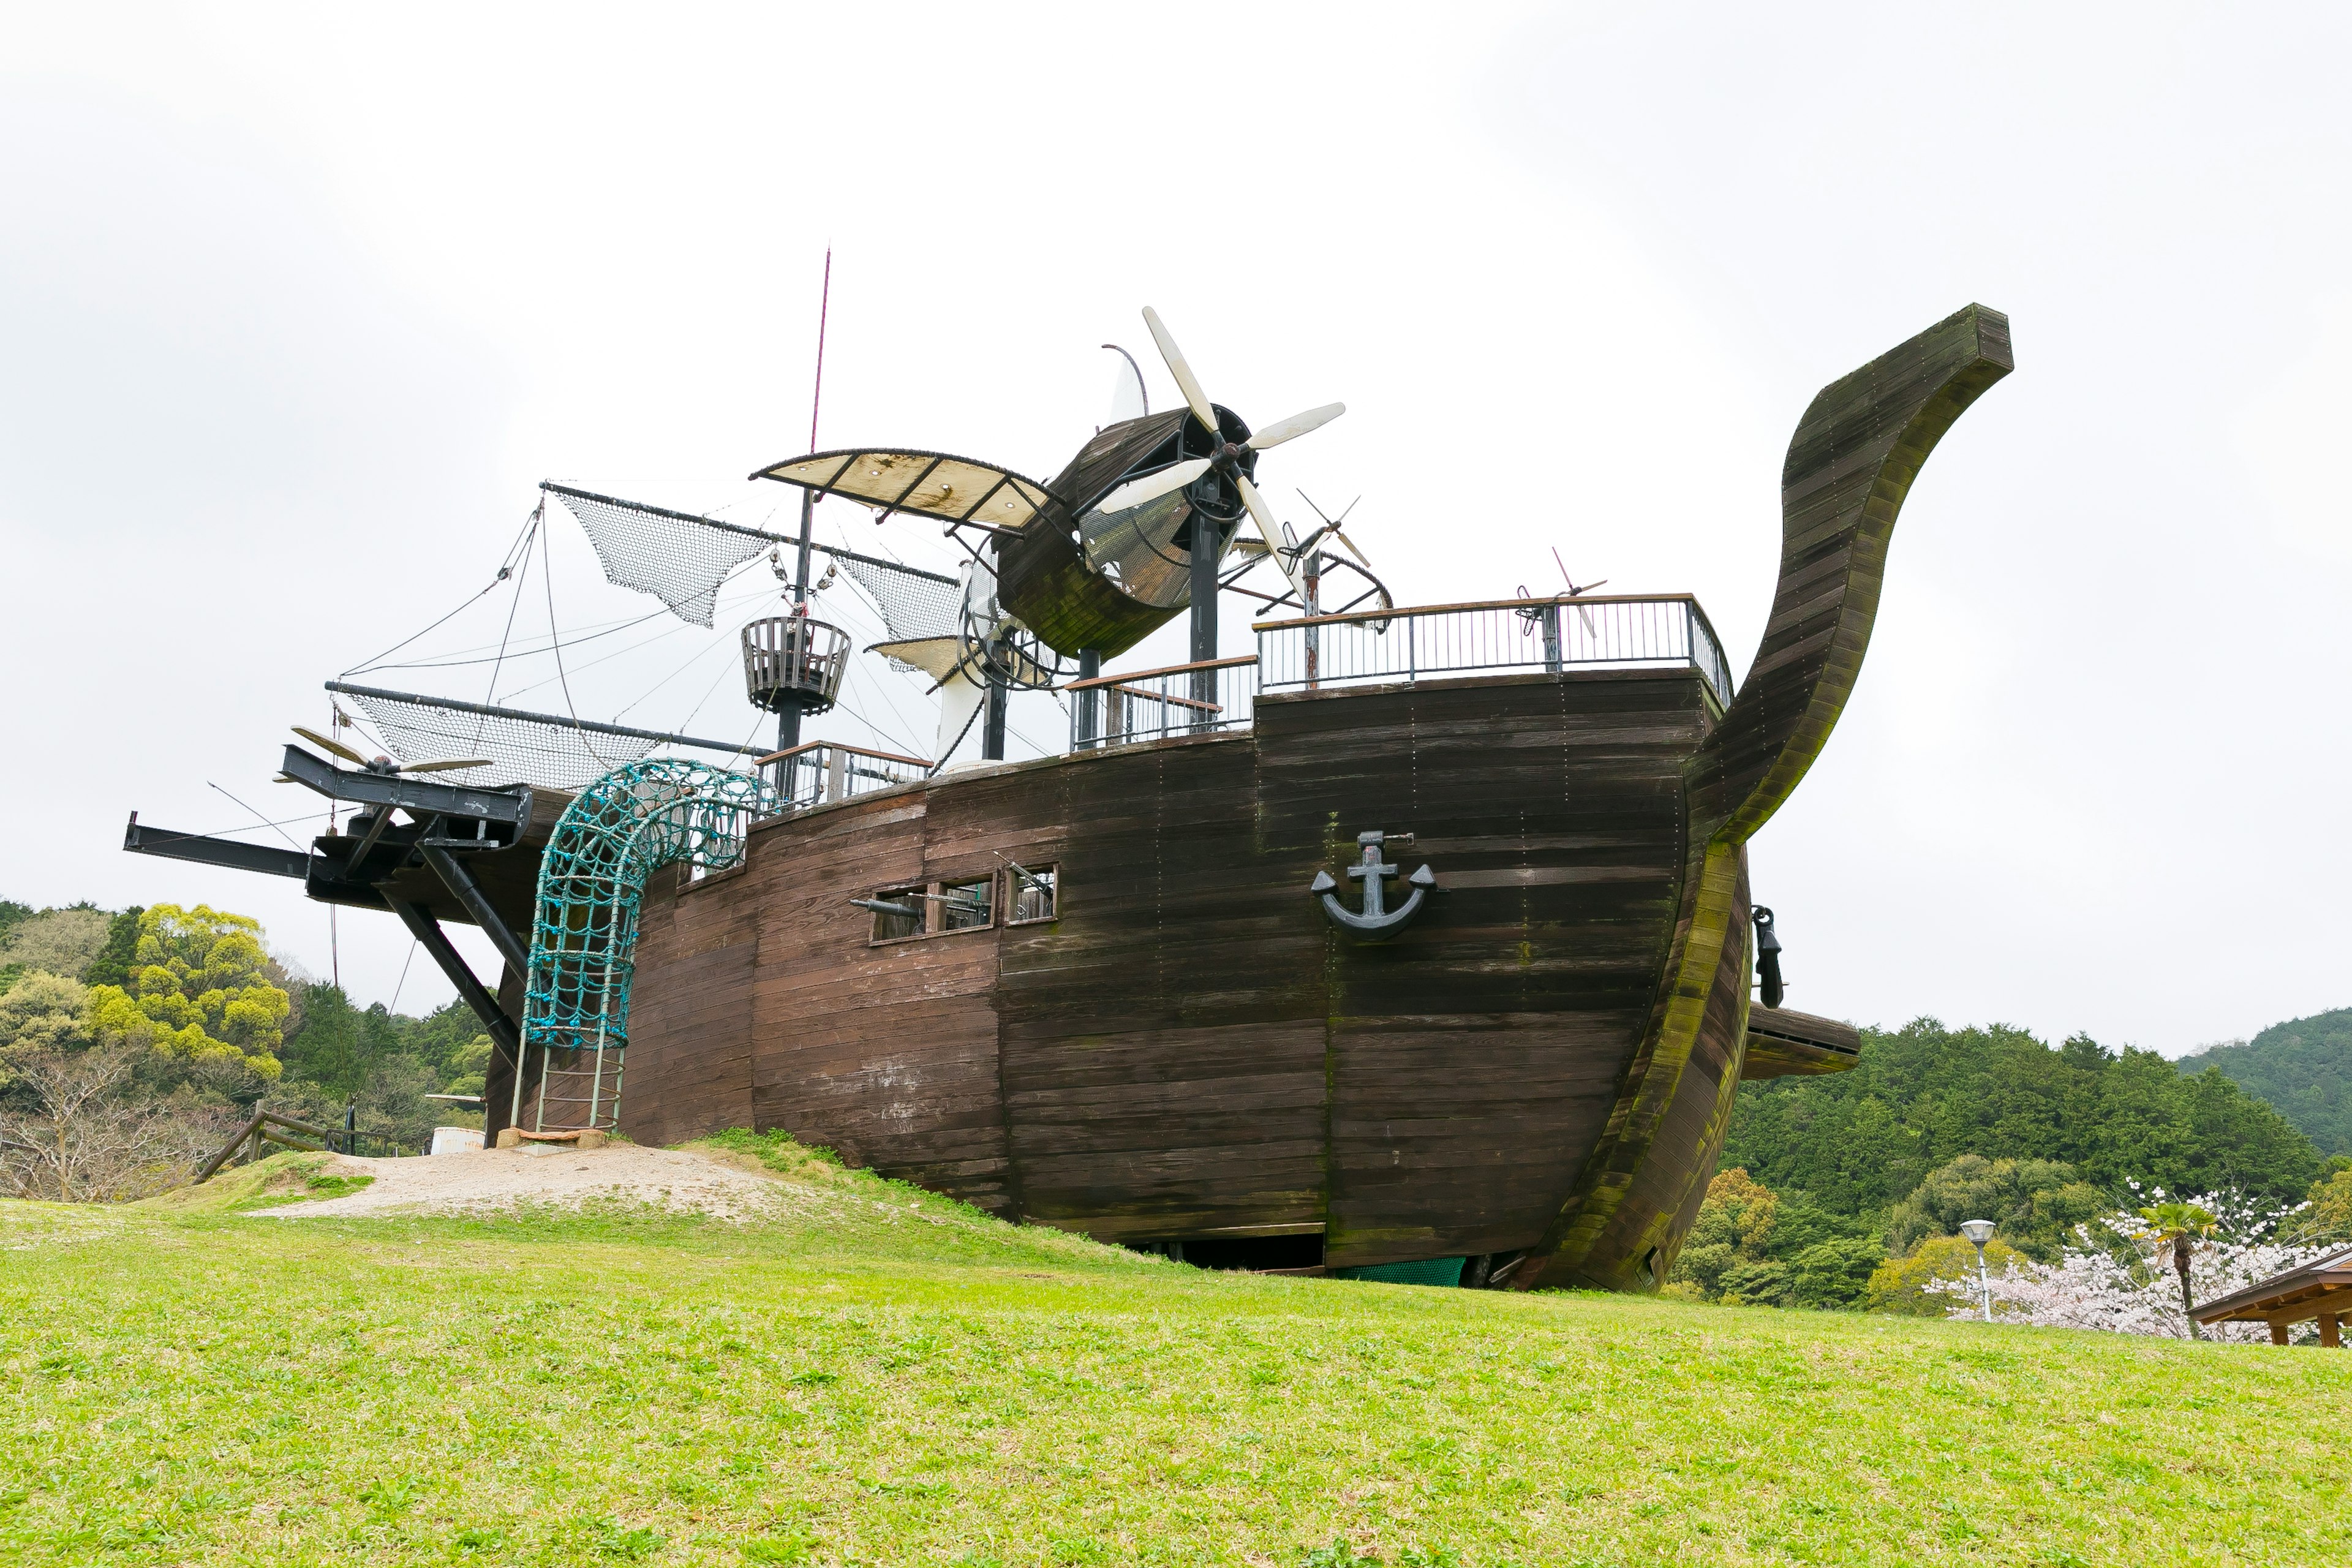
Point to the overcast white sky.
(298, 305)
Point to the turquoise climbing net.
(583, 936)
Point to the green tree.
(2330, 1218)
(1834, 1273)
(1862, 1141)
(44, 1012)
(119, 952)
(2035, 1203)
(1901, 1285)
(59, 941)
(198, 990)
(1734, 1222)
(2303, 1066)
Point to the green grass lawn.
(885, 1377)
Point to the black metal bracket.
(503, 807)
(263, 857)
(461, 882)
(434, 940)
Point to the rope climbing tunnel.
(615, 834)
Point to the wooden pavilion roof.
(2322, 1285)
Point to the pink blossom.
(2112, 1279)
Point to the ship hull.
(1188, 1050)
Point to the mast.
(788, 721)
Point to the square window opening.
(967, 906)
(1036, 893)
(899, 914)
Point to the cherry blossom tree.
(2113, 1276)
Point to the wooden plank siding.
(1189, 1049)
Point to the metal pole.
(1310, 604)
(1206, 539)
(991, 733)
(1089, 711)
(514, 1111)
(1984, 1283)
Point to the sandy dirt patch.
(485, 1180)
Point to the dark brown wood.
(1189, 1049)
(1782, 1043)
(2322, 1286)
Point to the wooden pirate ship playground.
(1418, 941)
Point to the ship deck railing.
(818, 772)
(1361, 648)
(1155, 704)
(1399, 646)
(1619, 631)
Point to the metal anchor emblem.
(1377, 922)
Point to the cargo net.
(913, 604)
(679, 560)
(521, 751)
(583, 938)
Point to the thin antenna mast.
(788, 722)
(816, 400)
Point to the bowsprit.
(1377, 922)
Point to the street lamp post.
(1980, 1231)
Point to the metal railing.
(1619, 631)
(1154, 704)
(817, 772)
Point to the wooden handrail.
(1149, 674)
(1406, 611)
(214, 1164)
(853, 751)
(260, 1128)
(1143, 696)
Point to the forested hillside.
(1861, 1141)
(131, 1042)
(2303, 1066)
(1849, 1189)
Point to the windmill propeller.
(385, 765)
(1573, 589)
(335, 747)
(1227, 460)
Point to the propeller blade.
(1270, 531)
(1151, 487)
(337, 747)
(1297, 424)
(445, 763)
(1194, 395)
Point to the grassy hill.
(2303, 1066)
(879, 1376)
